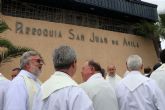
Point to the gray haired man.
(137, 92)
(25, 85)
(60, 91)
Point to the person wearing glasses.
(25, 85)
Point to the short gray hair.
(25, 58)
(134, 62)
(63, 57)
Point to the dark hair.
(96, 66)
(16, 69)
(162, 56)
(147, 70)
(103, 72)
(157, 66)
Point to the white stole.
(31, 88)
(57, 81)
(2, 77)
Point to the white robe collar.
(134, 79)
(95, 76)
(28, 74)
(161, 68)
(57, 81)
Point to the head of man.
(64, 59)
(162, 56)
(111, 69)
(134, 63)
(32, 62)
(15, 72)
(89, 68)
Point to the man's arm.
(16, 96)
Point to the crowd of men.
(99, 91)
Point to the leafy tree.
(10, 51)
(151, 30)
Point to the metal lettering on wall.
(73, 35)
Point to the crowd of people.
(99, 91)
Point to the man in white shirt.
(98, 89)
(60, 91)
(25, 85)
(159, 74)
(112, 76)
(137, 92)
(4, 83)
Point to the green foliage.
(3, 26)
(162, 17)
(12, 51)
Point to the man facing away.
(99, 90)
(4, 83)
(25, 85)
(15, 72)
(137, 92)
(159, 74)
(60, 91)
(112, 76)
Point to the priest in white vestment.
(159, 74)
(4, 84)
(25, 85)
(112, 77)
(60, 91)
(137, 92)
(98, 89)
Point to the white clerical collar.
(95, 76)
(134, 79)
(28, 74)
(57, 81)
(162, 67)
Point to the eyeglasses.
(40, 61)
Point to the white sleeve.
(16, 96)
(159, 98)
(79, 100)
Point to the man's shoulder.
(17, 81)
(158, 73)
(68, 91)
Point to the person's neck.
(65, 71)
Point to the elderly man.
(159, 74)
(60, 91)
(112, 76)
(99, 90)
(25, 85)
(137, 92)
(4, 83)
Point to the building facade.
(97, 29)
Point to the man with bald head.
(112, 76)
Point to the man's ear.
(74, 64)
